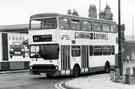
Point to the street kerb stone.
(17, 71)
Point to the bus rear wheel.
(76, 71)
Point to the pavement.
(13, 71)
(101, 81)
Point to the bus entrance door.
(84, 58)
(65, 57)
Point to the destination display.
(42, 38)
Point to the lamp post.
(119, 39)
(99, 6)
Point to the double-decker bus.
(71, 45)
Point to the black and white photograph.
(67, 44)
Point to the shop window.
(128, 70)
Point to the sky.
(19, 11)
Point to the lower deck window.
(75, 51)
(101, 50)
(46, 51)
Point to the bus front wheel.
(76, 71)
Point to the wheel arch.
(76, 65)
(107, 67)
(107, 63)
(74, 72)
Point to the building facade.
(14, 52)
(129, 56)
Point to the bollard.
(117, 75)
(127, 75)
(112, 75)
(127, 79)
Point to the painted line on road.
(59, 85)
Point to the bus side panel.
(65, 59)
(97, 63)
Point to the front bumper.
(43, 68)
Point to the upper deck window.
(46, 23)
(113, 28)
(64, 23)
(96, 27)
(106, 27)
(75, 24)
(69, 24)
(85, 26)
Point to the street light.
(119, 38)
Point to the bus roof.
(44, 15)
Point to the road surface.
(28, 81)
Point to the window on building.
(75, 51)
(111, 28)
(20, 38)
(16, 38)
(13, 38)
(128, 70)
(9, 38)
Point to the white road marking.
(59, 85)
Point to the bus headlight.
(57, 67)
(30, 67)
(11, 49)
(22, 50)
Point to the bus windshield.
(47, 51)
(44, 23)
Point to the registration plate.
(43, 74)
(17, 52)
